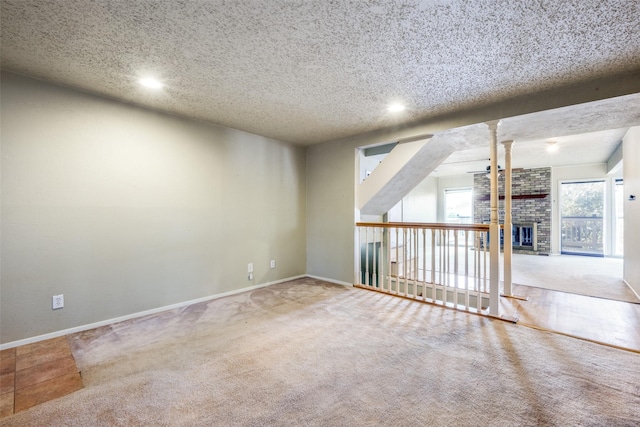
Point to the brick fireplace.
(531, 207)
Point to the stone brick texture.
(523, 211)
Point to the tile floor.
(35, 373)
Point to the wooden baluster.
(397, 261)
(478, 258)
(388, 252)
(440, 262)
(447, 249)
(372, 258)
(433, 264)
(416, 262)
(424, 263)
(404, 261)
(486, 251)
(455, 257)
(466, 269)
(357, 279)
(366, 256)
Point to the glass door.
(582, 217)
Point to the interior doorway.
(582, 217)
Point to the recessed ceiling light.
(150, 83)
(396, 108)
(551, 146)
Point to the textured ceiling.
(570, 151)
(313, 71)
(585, 134)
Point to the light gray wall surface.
(124, 210)
(631, 153)
(331, 215)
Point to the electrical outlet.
(57, 301)
(250, 268)
(273, 263)
(250, 276)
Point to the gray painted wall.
(124, 210)
(331, 178)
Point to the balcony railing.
(445, 264)
(583, 235)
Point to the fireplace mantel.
(515, 197)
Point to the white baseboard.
(337, 282)
(632, 290)
(82, 328)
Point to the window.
(458, 205)
(582, 217)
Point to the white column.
(494, 226)
(508, 227)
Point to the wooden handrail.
(440, 265)
(426, 225)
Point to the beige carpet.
(590, 276)
(311, 353)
